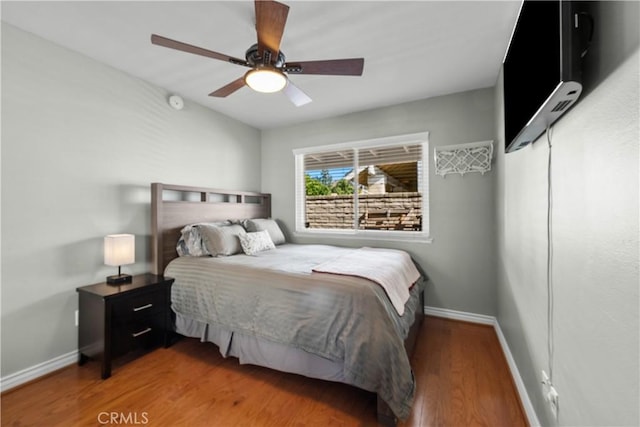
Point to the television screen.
(540, 79)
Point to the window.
(375, 188)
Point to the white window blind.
(375, 187)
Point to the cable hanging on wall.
(463, 158)
(549, 259)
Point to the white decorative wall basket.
(464, 158)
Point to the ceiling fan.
(269, 70)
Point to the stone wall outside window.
(390, 211)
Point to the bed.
(284, 315)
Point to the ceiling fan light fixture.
(265, 80)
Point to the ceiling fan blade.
(271, 18)
(184, 47)
(335, 67)
(227, 90)
(296, 95)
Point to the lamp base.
(119, 279)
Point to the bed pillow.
(190, 242)
(222, 240)
(270, 225)
(255, 242)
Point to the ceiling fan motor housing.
(253, 57)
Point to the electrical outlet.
(552, 398)
(545, 378)
(545, 384)
(550, 394)
(77, 322)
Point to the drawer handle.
(137, 334)
(143, 307)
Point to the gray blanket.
(276, 296)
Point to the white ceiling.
(412, 50)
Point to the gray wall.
(81, 142)
(460, 261)
(595, 239)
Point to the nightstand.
(118, 319)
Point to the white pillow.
(255, 242)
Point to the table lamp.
(119, 250)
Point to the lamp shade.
(119, 249)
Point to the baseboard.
(522, 390)
(36, 371)
(460, 315)
(490, 320)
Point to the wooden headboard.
(174, 206)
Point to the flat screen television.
(541, 69)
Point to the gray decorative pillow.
(190, 242)
(270, 225)
(255, 242)
(222, 240)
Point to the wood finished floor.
(462, 380)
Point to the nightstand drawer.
(145, 333)
(139, 306)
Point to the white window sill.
(389, 236)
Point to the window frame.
(421, 138)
